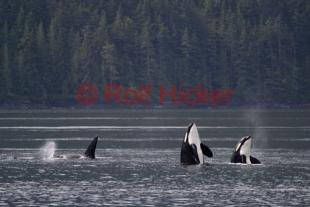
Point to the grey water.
(138, 156)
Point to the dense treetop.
(258, 48)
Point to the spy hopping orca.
(242, 153)
(192, 150)
(89, 153)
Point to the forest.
(260, 49)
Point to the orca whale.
(242, 152)
(89, 153)
(192, 149)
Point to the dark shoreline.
(151, 107)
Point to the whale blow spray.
(47, 151)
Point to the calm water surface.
(138, 158)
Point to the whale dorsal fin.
(206, 150)
(90, 151)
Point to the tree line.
(258, 48)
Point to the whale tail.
(91, 149)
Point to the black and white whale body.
(89, 153)
(192, 150)
(242, 153)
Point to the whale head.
(244, 146)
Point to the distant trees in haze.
(259, 48)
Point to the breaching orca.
(242, 153)
(89, 153)
(192, 150)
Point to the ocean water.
(138, 158)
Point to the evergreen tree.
(148, 53)
(6, 70)
(109, 62)
(42, 58)
(31, 84)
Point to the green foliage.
(259, 48)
